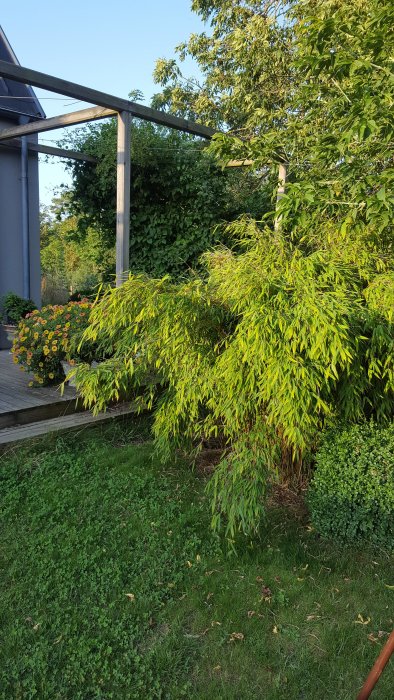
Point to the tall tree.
(178, 195)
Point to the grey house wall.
(11, 245)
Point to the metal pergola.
(105, 106)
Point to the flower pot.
(66, 369)
(9, 331)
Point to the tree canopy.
(179, 194)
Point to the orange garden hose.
(377, 669)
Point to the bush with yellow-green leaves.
(47, 337)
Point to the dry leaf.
(361, 621)
(189, 564)
(217, 668)
(236, 636)
(131, 597)
(251, 613)
(372, 638)
(275, 629)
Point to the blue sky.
(111, 46)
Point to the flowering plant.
(45, 338)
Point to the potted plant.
(47, 338)
(14, 309)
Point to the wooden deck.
(21, 404)
(57, 425)
(28, 412)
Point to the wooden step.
(32, 414)
(62, 423)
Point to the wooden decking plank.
(70, 422)
(16, 396)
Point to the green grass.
(91, 517)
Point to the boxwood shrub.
(351, 497)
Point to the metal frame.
(107, 105)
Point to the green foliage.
(15, 307)
(95, 545)
(68, 263)
(288, 331)
(245, 63)
(271, 345)
(351, 497)
(178, 195)
(89, 517)
(47, 337)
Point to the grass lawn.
(112, 586)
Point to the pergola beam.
(80, 117)
(50, 150)
(80, 92)
(61, 152)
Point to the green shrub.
(259, 354)
(352, 493)
(15, 307)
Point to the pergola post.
(280, 192)
(123, 197)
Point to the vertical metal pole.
(25, 217)
(280, 192)
(123, 197)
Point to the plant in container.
(14, 309)
(48, 337)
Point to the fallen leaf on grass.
(196, 636)
(361, 621)
(313, 617)
(266, 594)
(372, 638)
(131, 597)
(217, 668)
(275, 630)
(251, 613)
(236, 636)
(391, 588)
